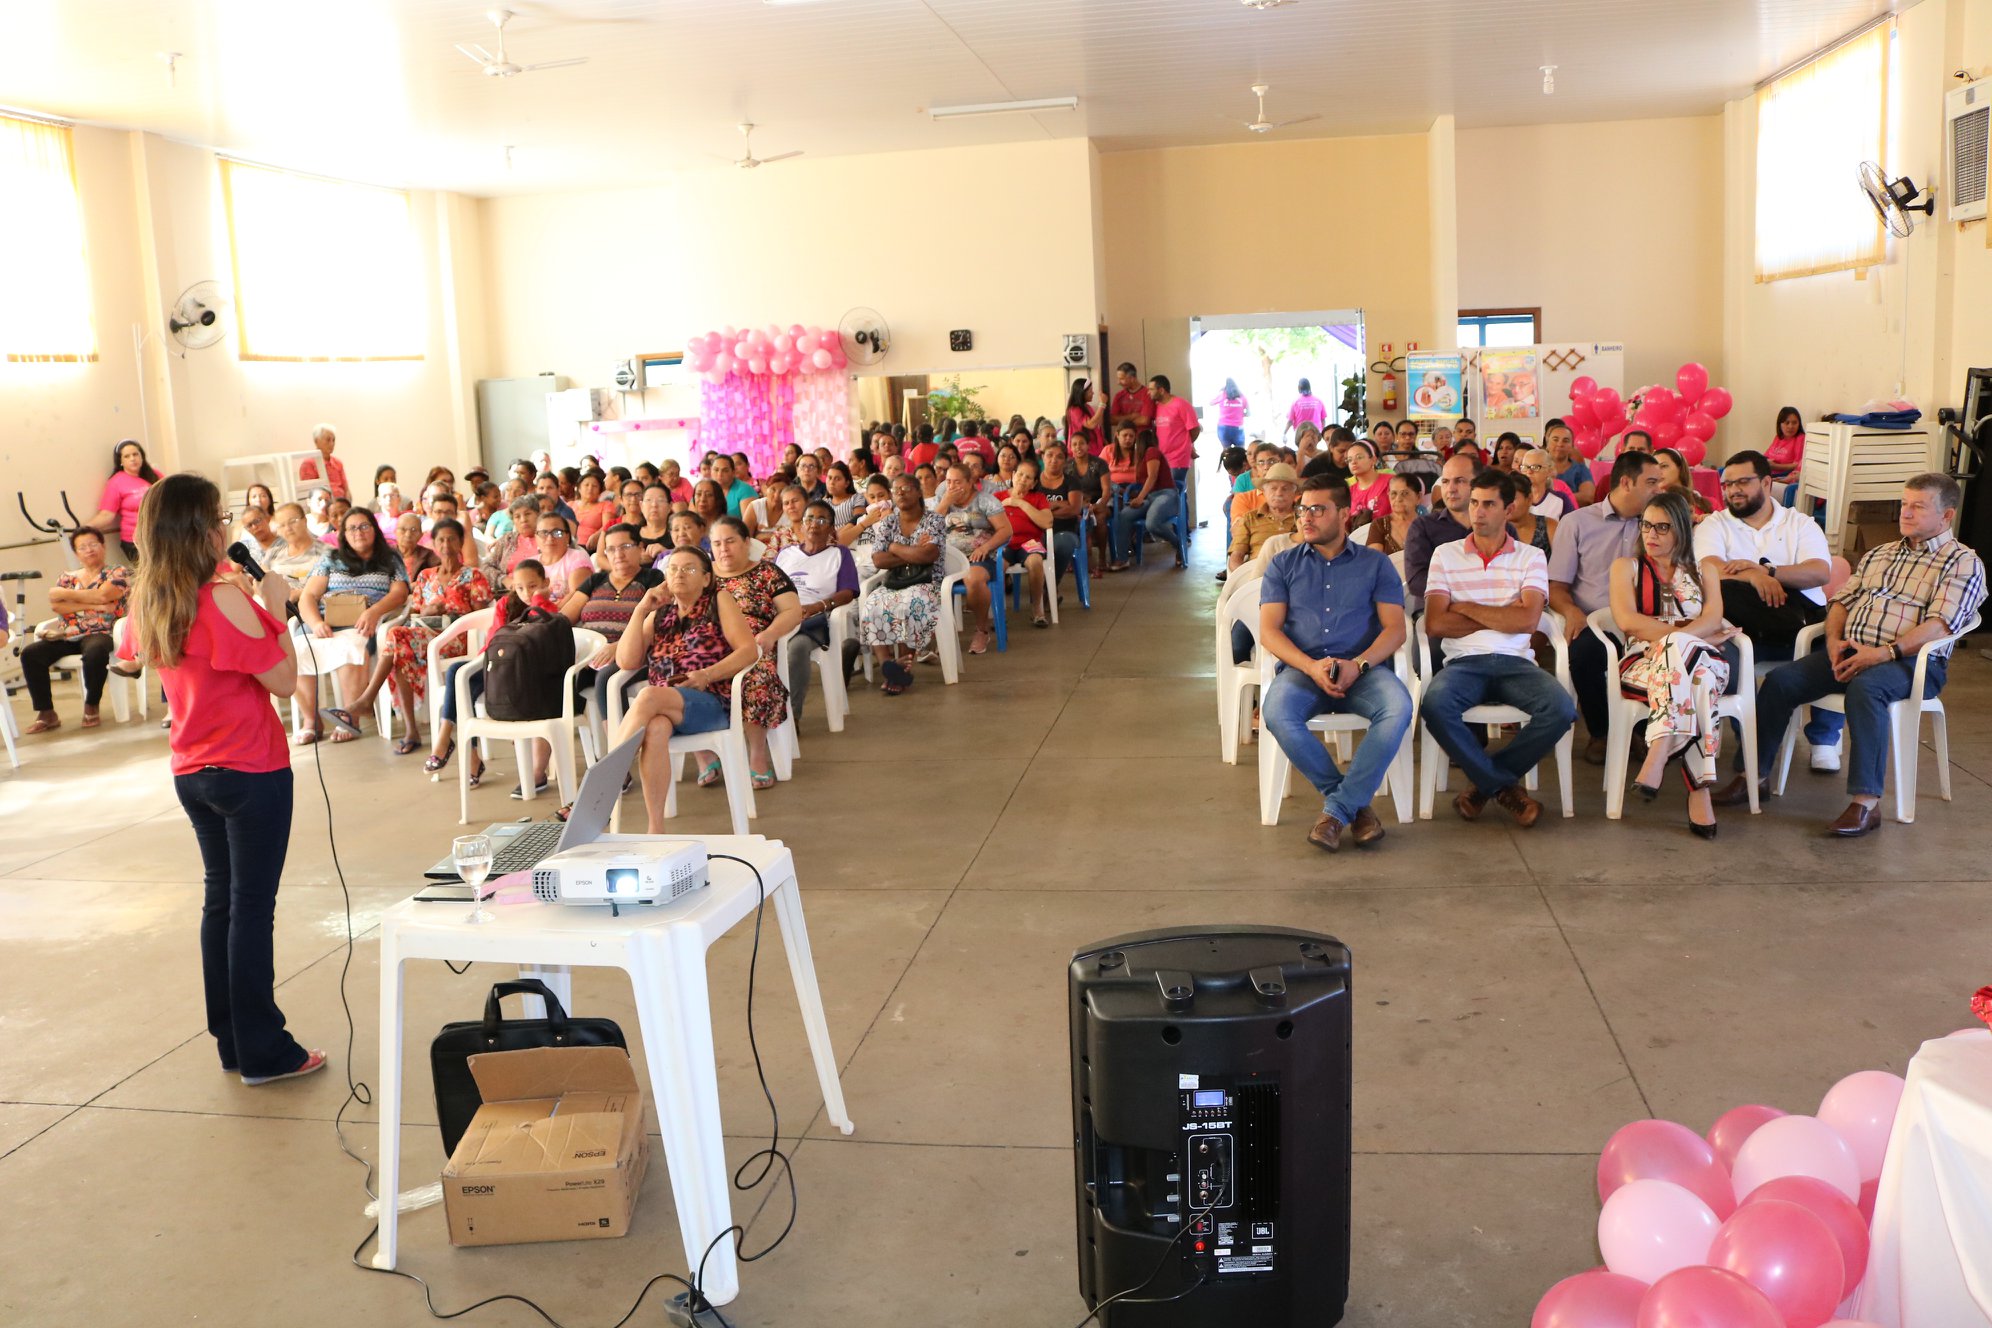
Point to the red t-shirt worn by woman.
(1022, 530)
(221, 715)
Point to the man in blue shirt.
(1332, 614)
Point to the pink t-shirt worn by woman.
(122, 494)
(1786, 453)
(1230, 410)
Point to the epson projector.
(621, 873)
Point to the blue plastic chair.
(1182, 540)
(999, 620)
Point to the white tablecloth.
(1930, 1263)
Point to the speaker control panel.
(1229, 1173)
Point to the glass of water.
(472, 855)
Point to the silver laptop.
(519, 845)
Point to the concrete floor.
(1518, 996)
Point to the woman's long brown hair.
(176, 522)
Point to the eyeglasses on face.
(1314, 509)
(552, 532)
(1656, 527)
(1743, 483)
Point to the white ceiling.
(374, 89)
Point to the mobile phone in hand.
(1335, 673)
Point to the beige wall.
(1541, 224)
(1268, 227)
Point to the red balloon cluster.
(1682, 417)
(768, 350)
(1756, 1225)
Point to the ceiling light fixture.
(1548, 79)
(1265, 4)
(1004, 107)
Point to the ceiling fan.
(1262, 125)
(748, 161)
(497, 66)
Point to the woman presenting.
(221, 656)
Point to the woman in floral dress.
(773, 609)
(898, 622)
(440, 596)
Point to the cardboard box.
(1871, 523)
(557, 1151)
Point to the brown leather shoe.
(1469, 804)
(1326, 834)
(1736, 793)
(1365, 829)
(1526, 810)
(1856, 821)
(1594, 752)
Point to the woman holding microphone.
(221, 655)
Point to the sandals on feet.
(341, 720)
(43, 726)
(313, 1061)
(709, 775)
(979, 643)
(408, 746)
(91, 721)
(897, 678)
(761, 779)
(305, 737)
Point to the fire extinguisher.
(1388, 367)
(1390, 390)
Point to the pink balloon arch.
(1682, 417)
(768, 387)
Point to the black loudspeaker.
(1210, 1112)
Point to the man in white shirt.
(1775, 565)
(825, 577)
(1484, 596)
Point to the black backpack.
(526, 664)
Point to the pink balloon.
(723, 364)
(1608, 402)
(1665, 404)
(821, 359)
(1613, 428)
(757, 366)
(1666, 433)
(781, 364)
(1593, 1299)
(1692, 449)
(1588, 448)
(1649, 1228)
(1697, 425)
(1788, 1254)
(1796, 1146)
(1692, 380)
(784, 344)
(1841, 1217)
(815, 332)
(1706, 1298)
(1851, 1323)
(795, 329)
(1663, 1150)
(1861, 1108)
(1582, 386)
(743, 349)
(1869, 1189)
(1734, 1127)
(1583, 410)
(1716, 402)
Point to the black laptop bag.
(457, 1098)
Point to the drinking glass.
(472, 855)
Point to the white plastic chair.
(9, 670)
(474, 629)
(1905, 723)
(1432, 777)
(558, 732)
(829, 663)
(730, 742)
(1276, 771)
(1624, 714)
(1238, 603)
(70, 669)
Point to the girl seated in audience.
(529, 590)
(439, 595)
(1787, 453)
(489, 503)
(1670, 610)
(876, 506)
(363, 565)
(1006, 465)
(1386, 534)
(841, 492)
(1369, 488)
(1675, 474)
(762, 513)
(768, 600)
(88, 603)
(1150, 503)
(1505, 449)
(691, 639)
(335, 521)
(1030, 525)
(1089, 484)
(898, 618)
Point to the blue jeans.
(242, 823)
(1159, 512)
(1377, 696)
(1868, 697)
(1231, 435)
(704, 712)
(1470, 680)
(1064, 550)
(447, 711)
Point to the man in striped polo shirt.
(1484, 596)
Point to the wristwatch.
(1767, 565)
(1362, 667)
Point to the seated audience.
(566, 566)
(88, 603)
(1444, 523)
(365, 567)
(412, 545)
(761, 514)
(809, 476)
(1333, 458)
(1587, 543)
(1253, 535)
(1332, 614)
(1669, 608)
(1567, 467)
(674, 484)
(1369, 487)
(1151, 502)
(772, 608)
(976, 524)
(876, 506)
(528, 591)
(552, 501)
(1386, 535)
(1506, 448)
(688, 531)
(594, 510)
(825, 577)
(1029, 514)
(653, 524)
(263, 541)
(1903, 596)
(841, 492)
(298, 557)
(1484, 596)
(605, 602)
(1529, 527)
(1547, 495)
(439, 594)
(515, 545)
(899, 617)
(1676, 474)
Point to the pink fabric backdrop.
(761, 414)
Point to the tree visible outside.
(1274, 345)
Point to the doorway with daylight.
(1264, 357)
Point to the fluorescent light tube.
(1004, 107)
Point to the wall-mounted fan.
(1895, 199)
(866, 337)
(195, 321)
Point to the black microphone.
(239, 553)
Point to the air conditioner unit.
(1967, 117)
(1078, 352)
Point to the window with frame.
(45, 313)
(1815, 126)
(1500, 327)
(324, 270)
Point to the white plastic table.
(663, 950)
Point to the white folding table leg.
(388, 1154)
(802, 968)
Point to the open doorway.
(1265, 356)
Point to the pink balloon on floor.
(1649, 1228)
(1796, 1146)
(1594, 1299)
(1706, 1298)
(1841, 1216)
(1663, 1150)
(1787, 1253)
(1861, 1108)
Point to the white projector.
(657, 872)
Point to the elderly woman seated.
(416, 556)
(440, 595)
(773, 609)
(87, 602)
(788, 529)
(691, 638)
(515, 545)
(352, 590)
(899, 617)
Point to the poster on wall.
(1434, 384)
(1508, 384)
